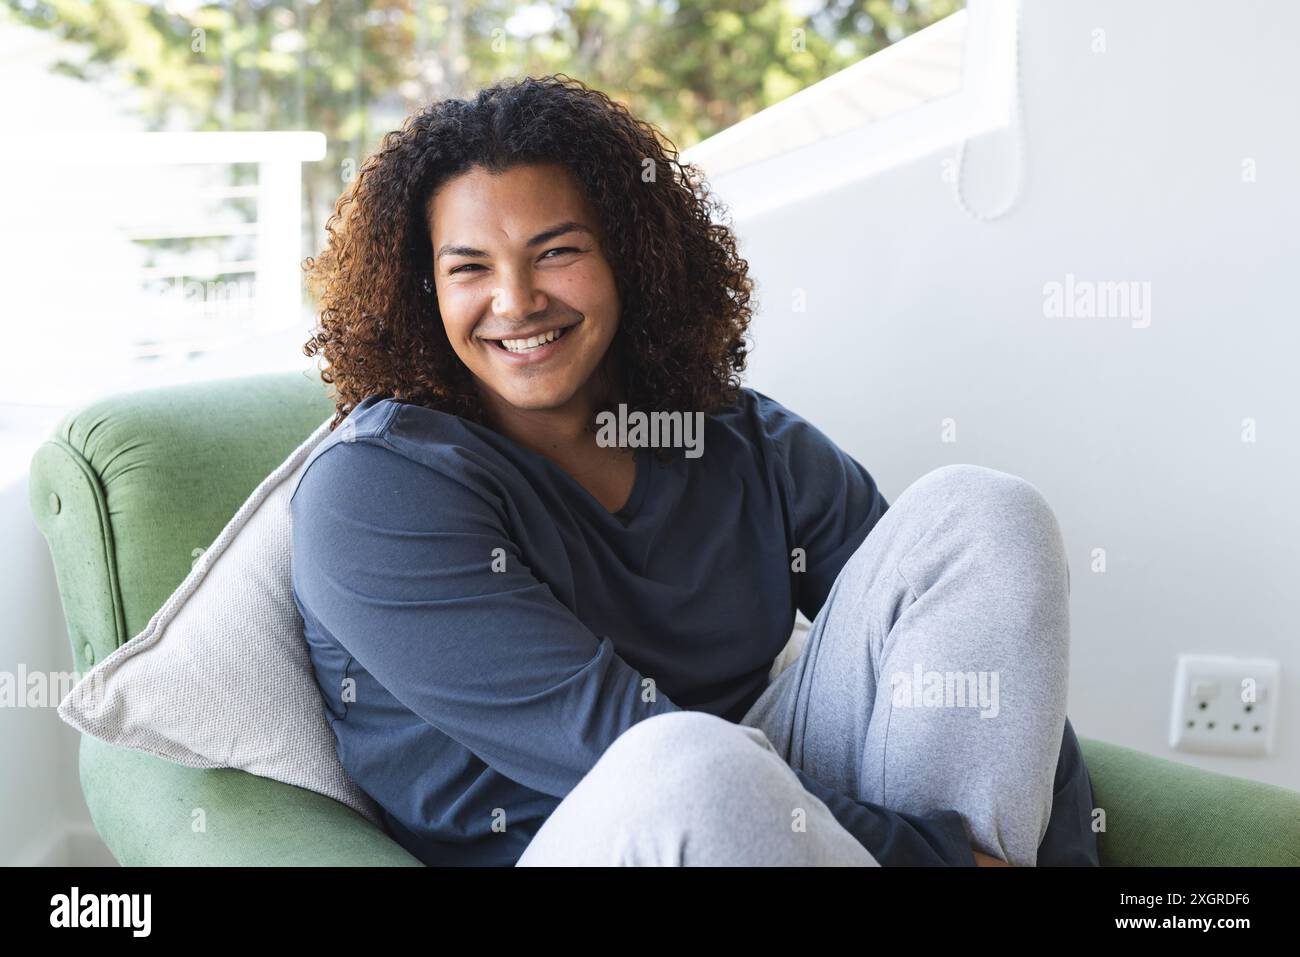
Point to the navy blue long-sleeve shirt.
(482, 628)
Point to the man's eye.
(557, 249)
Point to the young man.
(539, 646)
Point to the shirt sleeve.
(414, 574)
(894, 838)
(833, 502)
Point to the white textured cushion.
(221, 677)
(792, 650)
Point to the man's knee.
(682, 747)
(681, 770)
(982, 484)
(992, 494)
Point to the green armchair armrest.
(1160, 813)
(155, 813)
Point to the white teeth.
(532, 342)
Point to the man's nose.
(517, 297)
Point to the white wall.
(917, 313)
(43, 816)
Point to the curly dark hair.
(684, 292)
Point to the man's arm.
(831, 499)
(414, 573)
(894, 838)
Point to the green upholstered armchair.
(122, 480)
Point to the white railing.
(130, 254)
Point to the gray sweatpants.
(934, 676)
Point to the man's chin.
(536, 400)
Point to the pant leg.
(1070, 840)
(688, 788)
(961, 587)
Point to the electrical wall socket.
(1224, 705)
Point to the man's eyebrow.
(543, 237)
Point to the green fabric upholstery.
(126, 490)
(129, 486)
(1160, 813)
(146, 809)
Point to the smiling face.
(517, 262)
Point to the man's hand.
(983, 860)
